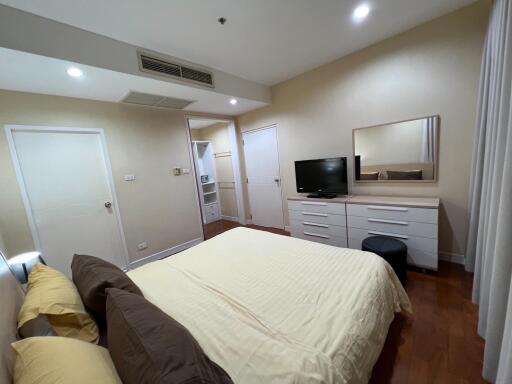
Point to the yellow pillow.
(60, 360)
(52, 294)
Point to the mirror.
(405, 151)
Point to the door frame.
(235, 162)
(9, 132)
(274, 125)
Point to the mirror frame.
(436, 153)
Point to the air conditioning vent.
(195, 75)
(160, 66)
(155, 65)
(155, 100)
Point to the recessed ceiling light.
(75, 72)
(233, 101)
(360, 13)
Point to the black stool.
(392, 250)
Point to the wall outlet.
(142, 246)
(129, 177)
(186, 171)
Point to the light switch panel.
(129, 177)
(176, 171)
(186, 171)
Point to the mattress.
(275, 309)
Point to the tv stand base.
(322, 195)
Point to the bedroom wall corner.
(431, 69)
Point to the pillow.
(39, 326)
(92, 276)
(369, 176)
(415, 174)
(52, 360)
(148, 346)
(52, 294)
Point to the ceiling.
(203, 123)
(264, 41)
(26, 72)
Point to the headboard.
(11, 297)
(427, 168)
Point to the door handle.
(108, 204)
(277, 180)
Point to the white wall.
(390, 144)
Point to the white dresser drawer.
(422, 252)
(317, 206)
(323, 229)
(402, 227)
(337, 241)
(420, 215)
(319, 218)
(212, 213)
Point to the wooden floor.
(439, 342)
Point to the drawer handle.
(385, 208)
(313, 203)
(388, 221)
(315, 214)
(403, 237)
(316, 235)
(315, 224)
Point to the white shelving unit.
(205, 166)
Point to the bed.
(274, 309)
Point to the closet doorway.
(217, 171)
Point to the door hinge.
(247, 180)
(250, 216)
(243, 142)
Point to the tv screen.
(322, 176)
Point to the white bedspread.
(273, 309)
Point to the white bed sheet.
(273, 309)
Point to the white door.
(65, 178)
(263, 177)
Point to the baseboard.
(165, 253)
(287, 228)
(230, 218)
(452, 258)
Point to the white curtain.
(489, 247)
(428, 140)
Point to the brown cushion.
(92, 276)
(369, 176)
(405, 175)
(39, 326)
(148, 346)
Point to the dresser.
(320, 220)
(346, 222)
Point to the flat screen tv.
(322, 177)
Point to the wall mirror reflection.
(404, 151)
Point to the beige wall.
(158, 207)
(218, 134)
(429, 70)
(390, 144)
